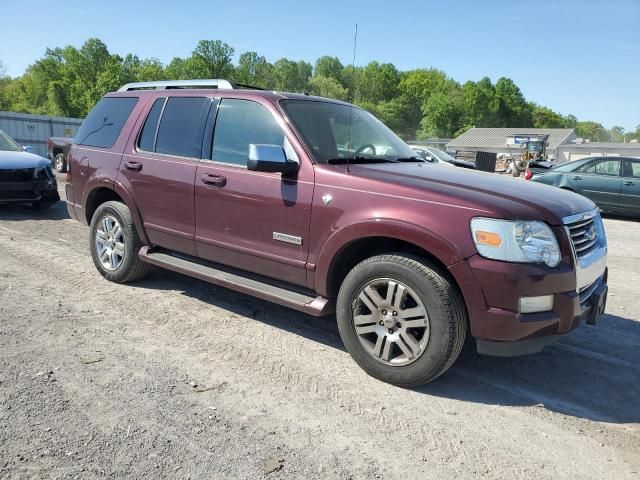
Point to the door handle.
(628, 184)
(214, 180)
(135, 166)
(576, 177)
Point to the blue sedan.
(613, 183)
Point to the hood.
(15, 160)
(499, 196)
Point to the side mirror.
(270, 158)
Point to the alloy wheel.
(391, 322)
(109, 243)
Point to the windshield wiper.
(354, 160)
(409, 159)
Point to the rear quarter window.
(104, 123)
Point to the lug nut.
(391, 330)
(381, 323)
(384, 312)
(399, 325)
(395, 314)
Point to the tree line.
(416, 104)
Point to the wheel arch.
(349, 246)
(103, 193)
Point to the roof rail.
(177, 84)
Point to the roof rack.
(177, 84)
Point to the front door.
(159, 167)
(600, 181)
(254, 221)
(630, 195)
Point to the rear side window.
(148, 136)
(240, 123)
(633, 168)
(601, 167)
(180, 127)
(104, 123)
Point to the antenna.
(355, 87)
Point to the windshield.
(334, 132)
(7, 144)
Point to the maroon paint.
(425, 205)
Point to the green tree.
(442, 115)
(327, 87)
(329, 67)
(253, 69)
(377, 82)
(592, 131)
(544, 117)
(213, 59)
(477, 99)
(509, 105)
(291, 76)
(617, 134)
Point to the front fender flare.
(436, 245)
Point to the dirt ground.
(171, 377)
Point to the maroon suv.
(315, 204)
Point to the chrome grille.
(584, 236)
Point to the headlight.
(515, 241)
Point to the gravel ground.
(174, 378)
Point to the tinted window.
(148, 136)
(180, 125)
(239, 123)
(104, 123)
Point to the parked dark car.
(25, 177)
(57, 151)
(613, 183)
(316, 205)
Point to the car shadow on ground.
(591, 373)
(20, 212)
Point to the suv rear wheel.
(114, 244)
(400, 319)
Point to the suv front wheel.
(400, 319)
(114, 244)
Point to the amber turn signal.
(488, 238)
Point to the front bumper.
(492, 289)
(29, 191)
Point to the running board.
(240, 281)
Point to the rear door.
(159, 168)
(256, 221)
(630, 195)
(600, 181)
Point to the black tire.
(60, 163)
(447, 317)
(130, 267)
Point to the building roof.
(479, 138)
(605, 146)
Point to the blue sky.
(582, 57)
